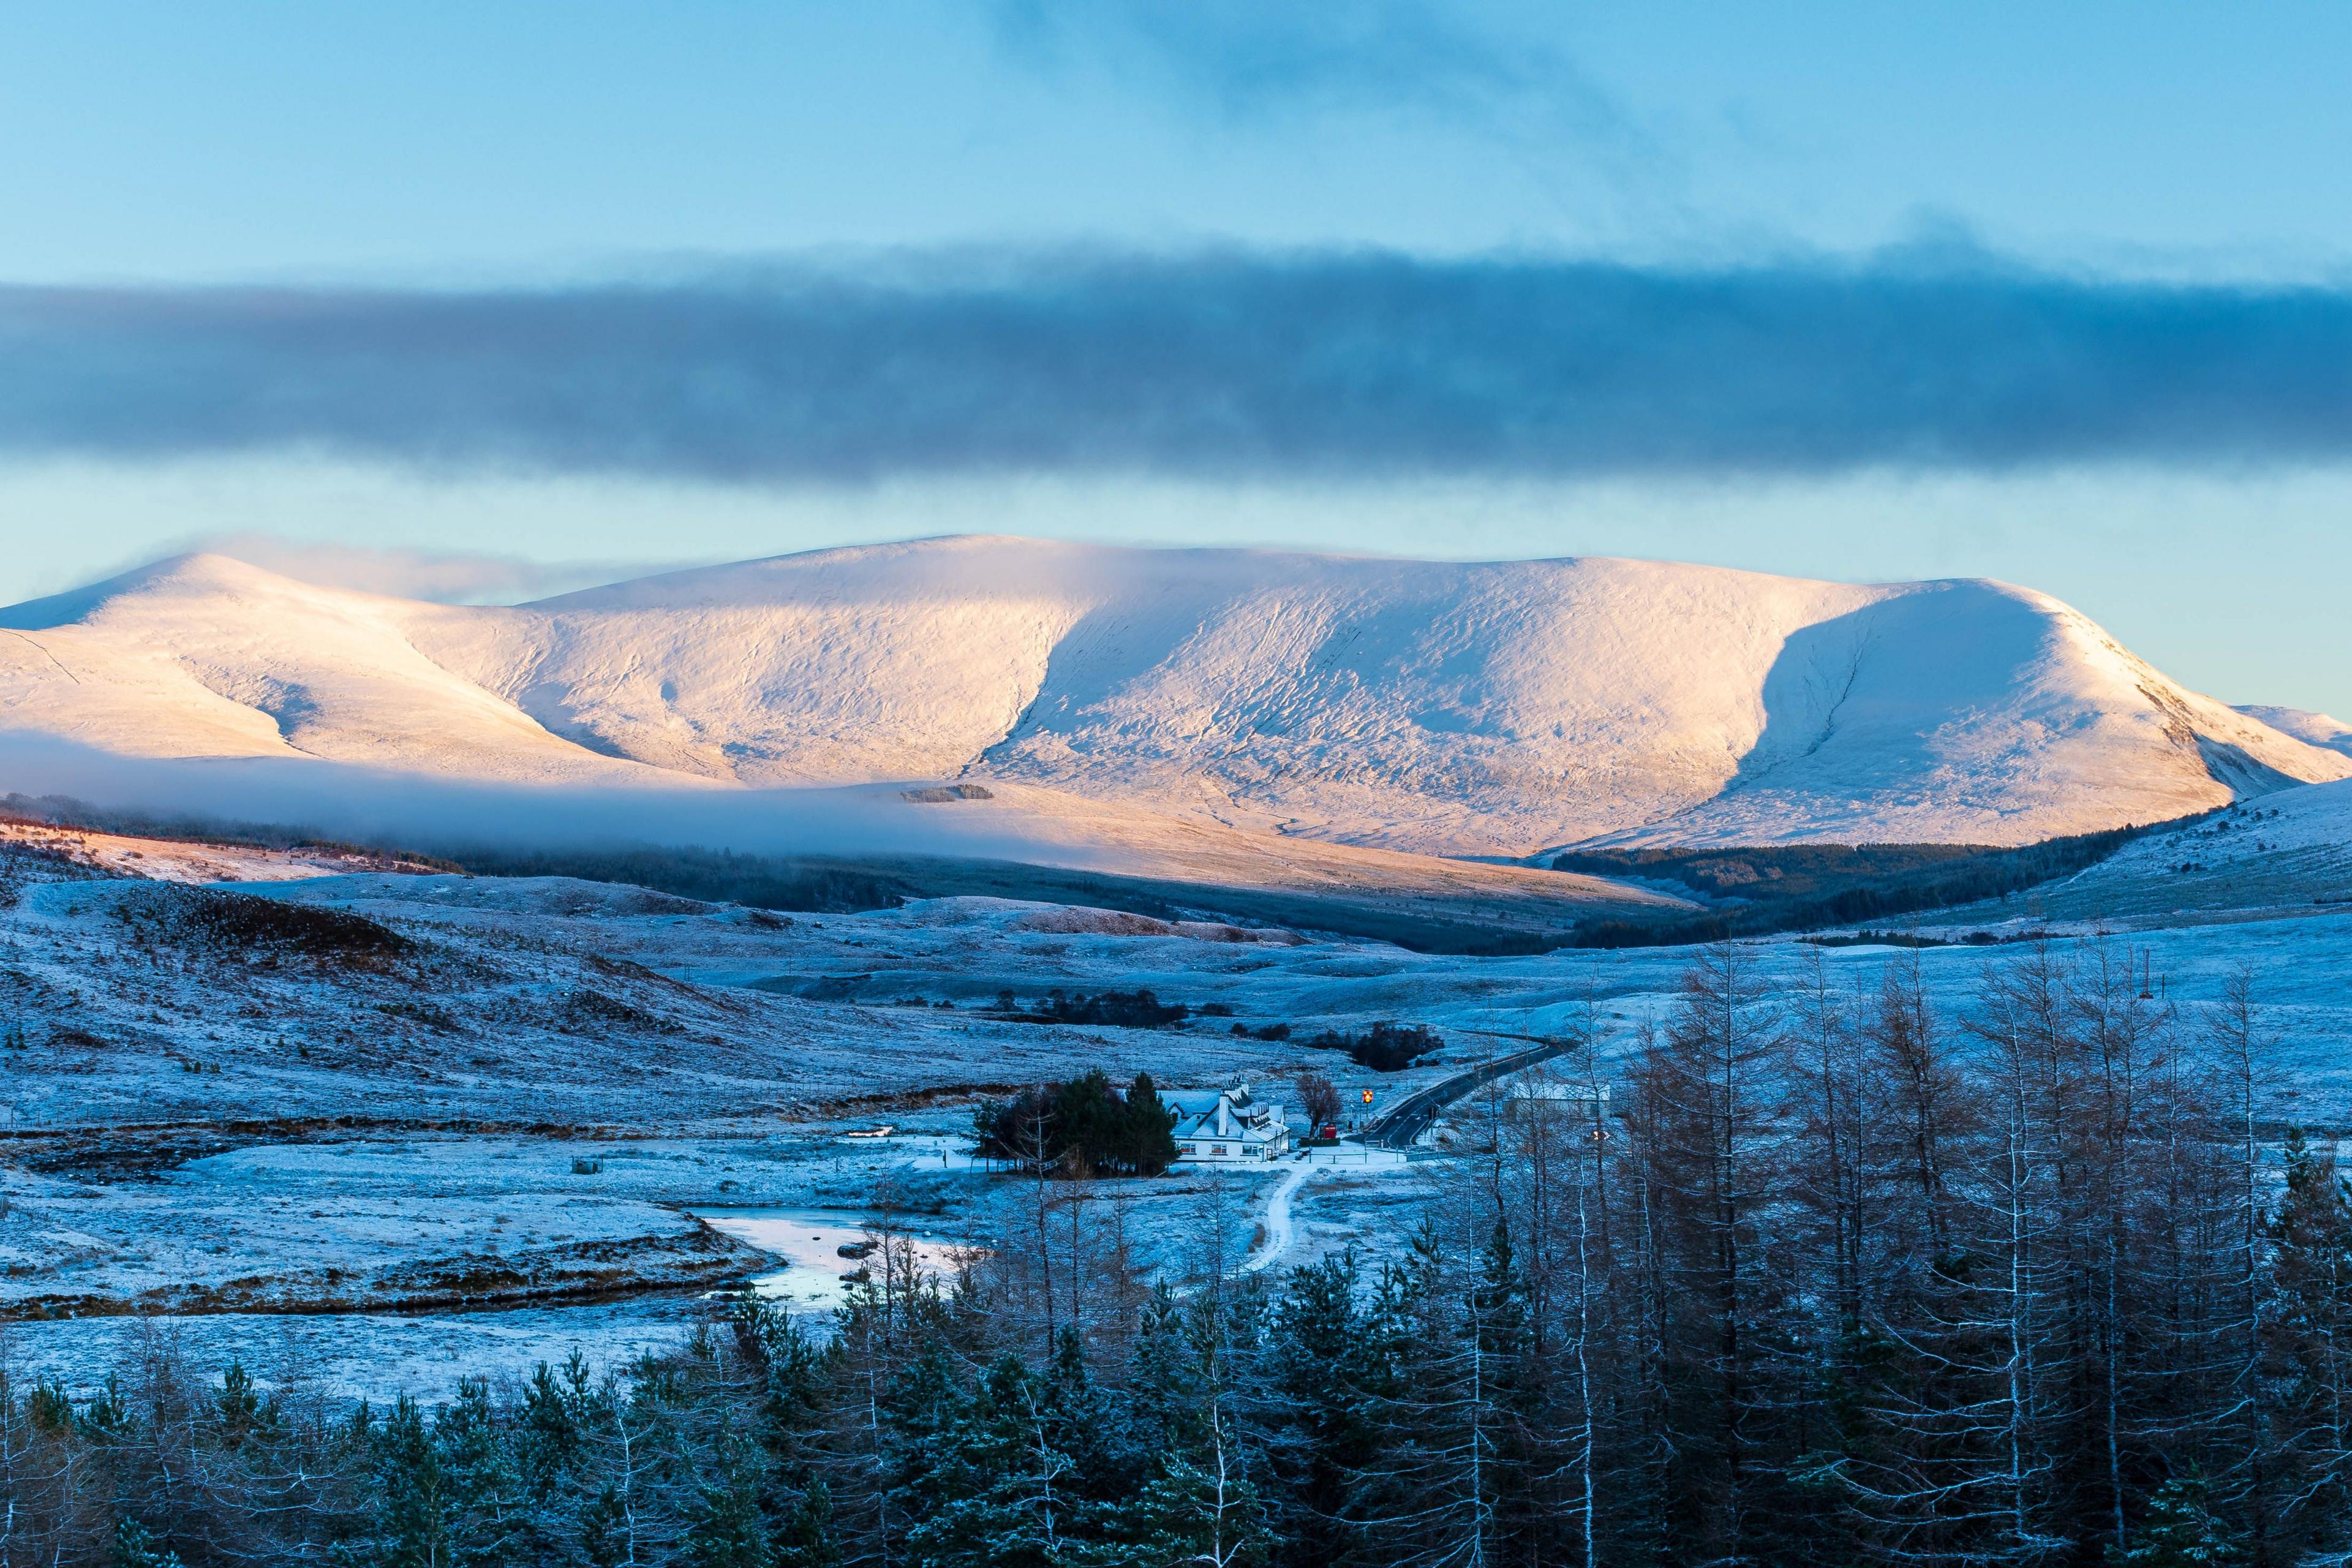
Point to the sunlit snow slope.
(1496, 709)
(2318, 728)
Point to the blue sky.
(2052, 293)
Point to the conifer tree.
(2180, 1531)
(1147, 1145)
(1321, 1443)
(2311, 1339)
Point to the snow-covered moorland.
(298, 1081)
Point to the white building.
(1228, 1126)
(1538, 1089)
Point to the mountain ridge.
(1492, 708)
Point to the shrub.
(1385, 1046)
(22, 864)
(583, 1011)
(1106, 1009)
(225, 923)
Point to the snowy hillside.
(2287, 851)
(1437, 706)
(2316, 729)
(205, 657)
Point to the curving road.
(1397, 1129)
(1413, 1114)
(1279, 1232)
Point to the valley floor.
(460, 1122)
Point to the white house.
(1538, 1094)
(1228, 1126)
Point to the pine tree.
(729, 1530)
(1508, 1415)
(135, 1547)
(413, 1510)
(2311, 1340)
(478, 1480)
(1082, 1419)
(1164, 1386)
(1417, 1488)
(803, 1536)
(2179, 1532)
(1705, 1088)
(1199, 1506)
(923, 1405)
(1321, 1443)
(1148, 1142)
(1005, 1496)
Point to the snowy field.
(501, 1141)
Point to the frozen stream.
(816, 1274)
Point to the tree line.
(1808, 887)
(1079, 1128)
(1830, 1276)
(1137, 1009)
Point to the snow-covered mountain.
(1461, 708)
(2316, 729)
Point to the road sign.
(1368, 1097)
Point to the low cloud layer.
(344, 801)
(1222, 367)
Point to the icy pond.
(381, 1356)
(817, 1272)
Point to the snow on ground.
(179, 860)
(529, 1103)
(253, 1129)
(2288, 851)
(376, 1356)
(2313, 729)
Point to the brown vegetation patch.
(244, 925)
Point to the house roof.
(1232, 1116)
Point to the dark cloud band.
(1214, 367)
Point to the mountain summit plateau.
(1480, 709)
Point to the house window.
(1220, 1148)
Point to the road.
(1411, 1116)
(1279, 1232)
(1397, 1129)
